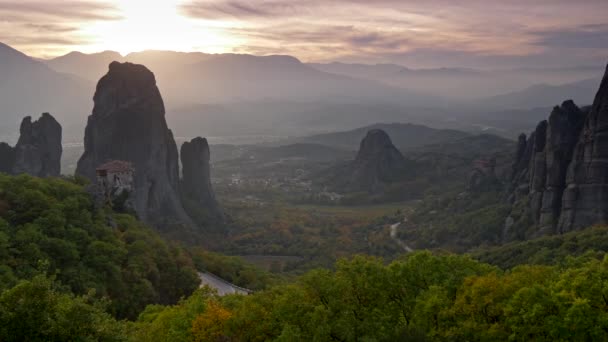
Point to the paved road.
(394, 228)
(223, 287)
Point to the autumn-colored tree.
(210, 325)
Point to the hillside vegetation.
(422, 297)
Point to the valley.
(241, 171)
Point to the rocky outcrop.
(128, 124)
(585, 200)
(7, 158)
(538, 171)
(483, 176)
(561, 170)
(38, 151)
(196, 181)
(564, 127)
(378, 162)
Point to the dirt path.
(401, 243)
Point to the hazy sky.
(429, 33)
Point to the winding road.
(223, 287)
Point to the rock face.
(38, 151)
(585, 200)
(564, 128)
(7, 158)
(196, 182)
(378, 162)
(483, 177)
(128, 123)
(562, 168)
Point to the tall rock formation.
(585, 200)
(128, 124)
(378, 162)
(196, 182)
(564, 127)
(38, 151)
(561, 170)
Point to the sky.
(415, 33)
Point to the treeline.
(423, 297)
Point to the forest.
(71, 269)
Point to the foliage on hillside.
(421, 297)
(35, 310)
(547, 250)
(232, 269)
(456, 222)
(50, 225)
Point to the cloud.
(432, 31)
(45, 27)
(69, 9)
(413, 32)
(238, 9)
(583, 37)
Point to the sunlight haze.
(437, 33)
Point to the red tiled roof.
(116, 166)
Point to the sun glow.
(157, 25)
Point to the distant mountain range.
(197, 78)
(231, 94)
(463, 83)
(582, 92)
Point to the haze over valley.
(246, 95)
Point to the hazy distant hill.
(236, 95)
(264, 154)
(472, 145)
(90, 66)
(403, 136)
(29, 87)
(292, 118)
(461, 83)
(543, 95)
(197, 78)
